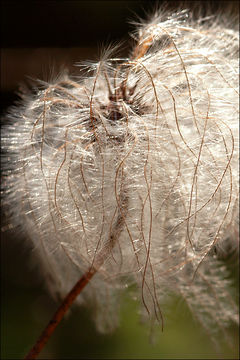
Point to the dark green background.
(32, 34)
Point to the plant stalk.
(57, 317)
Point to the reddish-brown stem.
(57, 317)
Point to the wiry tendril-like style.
(133, 171)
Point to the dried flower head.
(132, 171)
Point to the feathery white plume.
(134, 170)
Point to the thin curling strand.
(132, 171)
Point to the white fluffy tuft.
(134, 170)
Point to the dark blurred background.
(38, 38)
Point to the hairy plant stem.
(57, 317)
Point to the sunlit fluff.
(133, 170)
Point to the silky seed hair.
(132, 169)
